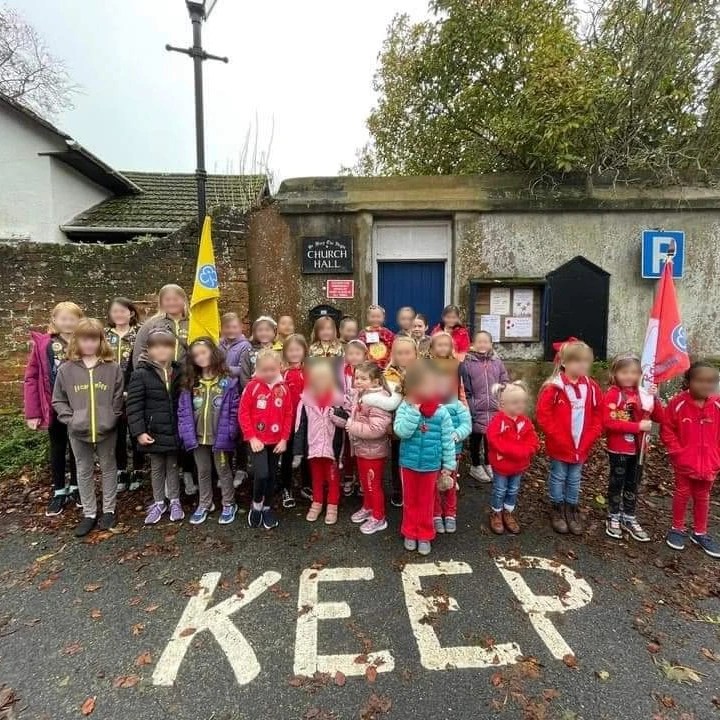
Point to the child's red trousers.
(370, 472)
(699, 490)
(419, 490)
(324, 474)
(446, 503)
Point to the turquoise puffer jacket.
(426, 443)
(462, 422)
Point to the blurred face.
(286, 325)
(120, 315)
(419, 328)
(403, 354)
(264, 333)
(451, 319)
(349, 331)
(201, 355)
(704, 383)
(172, 304)
(483, 343)
(578, 367)
(442, 347)
(354, 355)
(267, 369)
(514, 403)
(294, 353)
(66, 322)
(88, 346)
(629, 375)
(362, 381)
(375, 317)
(231, 329)
(321, 380)
(326, 331)
(427, 388)
(446, 387)
(161, 354)
(405, 319)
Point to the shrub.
(20, 449)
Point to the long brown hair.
(90, 328)
(192, 373)
(373, 371)
(65, 306)
(295, 339)
(324, 319)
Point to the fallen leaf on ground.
(126, 681)
(88, 706)
(340, 679)
(570, 660)
(72, 649)
(679, 673)
(371, 674)
(653, 648)
(496, 679)
(602, 675)
(187, 632)
(138, 629)
(144, 658)
(709, 654)
(96, 614)
(92, 587)
(151, 608)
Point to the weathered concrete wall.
(532, 244)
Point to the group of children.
(336, 411)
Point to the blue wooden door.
(420, 284)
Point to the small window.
(511, 310)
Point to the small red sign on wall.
(340, 289)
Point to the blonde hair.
(90, 328)
(375, 306)
(441, 333)
(399, 339)
(65, 306)
(172, 288)
(263, 319)
(500, 391)
(229, 317)
(622, 361)
(295, 339)
(268, 354)
(322, 320)
(568, 352)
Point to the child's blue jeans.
(505, 490)
(564, 482)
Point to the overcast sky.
(306, 66)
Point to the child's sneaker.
(239, 478)
(371, 526)
(331, 514)
(706, 544)
(107, 521)
(199, 516)
(228, 514)
(122, 480)
(676, 539)
(439, 525)
(613, 529)
(176, 512)
(269, 521)
(56, 505)
(314, 512)
(635, 529)
(85, 526)
(136, 480)
(73, 496)
(424, 547)
(288, 501)
(478, 472)
(450, 525)
(254, 517)
(360, 516)
(306, 492)
(410, 545)
(191, 487)
(155, 513)
(396, 500)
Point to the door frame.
(440, 252)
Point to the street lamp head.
(200, 8)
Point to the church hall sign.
(327, 255)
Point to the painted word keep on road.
(198, 617)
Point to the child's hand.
(33, 423)
(652, 390)
(281, 447)
(297, 459)
(256, 445)
(455, 438)
(145, 439)
(645, 425)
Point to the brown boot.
(574, 521)
(496, 522)
(511, 524)
(557, 518)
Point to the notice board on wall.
(510, 313)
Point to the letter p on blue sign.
(656, 244)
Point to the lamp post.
(199, 12)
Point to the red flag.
(665, 351)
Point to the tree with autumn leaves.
(622, 88)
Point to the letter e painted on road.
(197, 618)
(538, 607)
(311, 611)
(420, 605)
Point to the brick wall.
(35, 276)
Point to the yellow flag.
(204, 313)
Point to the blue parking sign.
(655, 246)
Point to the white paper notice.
(491, 324)
(522, 302)
(499, 301)
(518, 327)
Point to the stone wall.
(35, 276)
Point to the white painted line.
(216, 619)
(538, 606)
(311, 611)
(432, 655)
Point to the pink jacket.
(37, 393)
(316, 427)
(367, 428)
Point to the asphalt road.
(82, 620)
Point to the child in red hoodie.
(691, 433)
(628, 414)
(569, 412)
(512, 441)
(265, 417)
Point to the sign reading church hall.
(328, 255)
